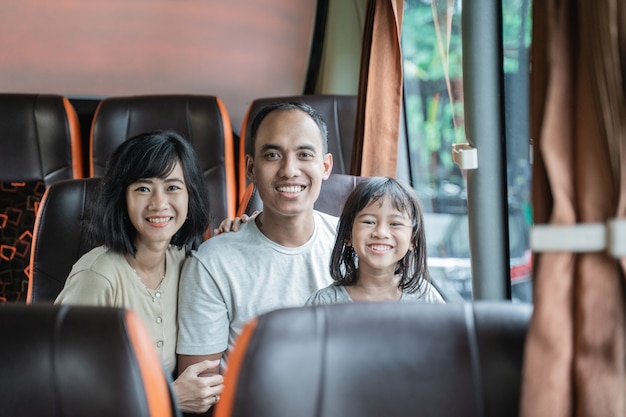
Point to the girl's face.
(157, 207)
(381, 236)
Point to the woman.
(149, 214)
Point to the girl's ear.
(347, 242)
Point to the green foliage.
(433, 65)
(422, 46)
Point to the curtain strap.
(581, 237)
(465, 155)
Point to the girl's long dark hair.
(412, 269)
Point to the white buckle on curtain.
(465, 156)
(587, 237)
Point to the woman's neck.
(149, 266)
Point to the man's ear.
(250, 167)
(328, 165)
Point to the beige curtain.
(375, 148)
(575, 351)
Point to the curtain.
(375, 148)
(575, 347)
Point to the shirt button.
(158, 320)
(159, 344)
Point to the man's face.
(289, 163)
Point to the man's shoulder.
(326, 226)
(228, 241)
(326, 219)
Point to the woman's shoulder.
(92, 278)
(99, 262)
(97, 258)
(176, 254)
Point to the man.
(280, 256)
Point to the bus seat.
(58, 240)
(40, 144)
(339, 113)
(76, 361)
(202, 119)
(379, 359)
(332, 196)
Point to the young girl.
(380, 251)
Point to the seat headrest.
(337, 110)
(40, 138)
(79, 361)
(201, 119)
(379, 359)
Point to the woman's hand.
(195, 393)
(232, 225)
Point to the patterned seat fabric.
(40, 145)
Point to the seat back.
(40, 144)
(379, 359)
(339, 113)
(58, 240)
(332, 196)
(66, 361)
(203, 120)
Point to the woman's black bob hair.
(147, 155)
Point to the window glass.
(433, 76)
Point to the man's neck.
(288, 231)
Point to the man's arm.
(185, 361)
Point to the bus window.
(434, 120)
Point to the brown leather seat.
(40, 145)
(203, 120)
(332, 196)
(71, 361)
(339, 113)
(379, 359)
(58, 240)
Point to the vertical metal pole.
(484, 118)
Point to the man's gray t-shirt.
(234, 277)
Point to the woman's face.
(157, 207)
